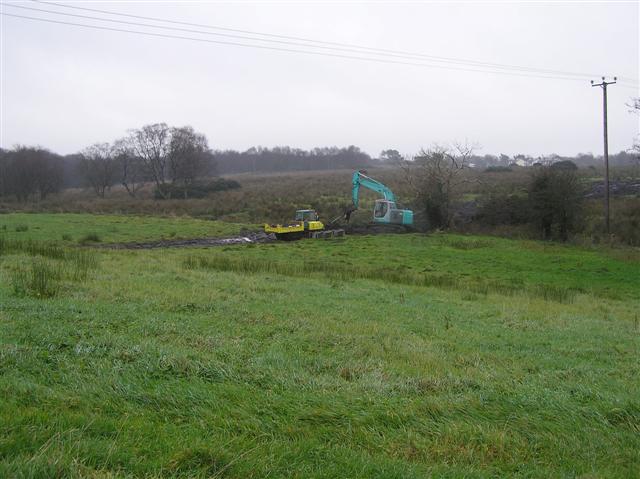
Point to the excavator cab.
(386, 212)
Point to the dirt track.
(246, 238)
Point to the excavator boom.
(360, 179)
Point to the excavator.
(307, 224)
(386, 211)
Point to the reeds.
(49, 267)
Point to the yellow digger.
(306, 224)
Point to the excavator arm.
(360, 179)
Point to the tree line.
(174, 159)
(551, 203)
(166, 156)
(169, 157)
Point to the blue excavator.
(386, 211)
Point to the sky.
(66, 87)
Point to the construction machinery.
(306, 224)
(386, 211)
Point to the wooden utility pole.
(603, 85)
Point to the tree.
(99, 167)
(436, 175)
(188, 155)
(32, 172)
(178, 155)
(391, 156)
(4, 185)
(564, 165)
(150, 144)
(131, 170)
(635, 108)
(555, 198)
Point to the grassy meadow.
(69, 228)
(389, 356)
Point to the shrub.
(625, 223)
(497, 169)
(555, 198)
(90, 238)
(504, 210)
(564, 165)
(22, 228)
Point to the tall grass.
(343, 272)
(51, 265)
(40, 280)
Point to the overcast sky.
(66, 87)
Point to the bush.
(555, 199)
(497, 169)
(22, 228)
(196, 190)
(564, 165)
(504, 210)
(625, 223)
(90, 238)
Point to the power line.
(491, 70)
(241, 37)
(358, 48)
(288, 50)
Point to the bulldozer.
(306, 224)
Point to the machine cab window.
(306, 215)
(381, 209)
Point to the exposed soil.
(244, 238)
(616, 187)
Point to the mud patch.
(246, 238)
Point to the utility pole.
(603, 85)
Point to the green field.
(73, 228)
(387, 356)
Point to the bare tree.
(151, 144)
(130, 167)
(98, 166)
(187, 155)
(635, 108)
(436, 175)
(178, 155)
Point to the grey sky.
(66, 87)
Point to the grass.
(481, 264)
(49, 265)
(290, 360)
(346, 272)
(87, 228)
